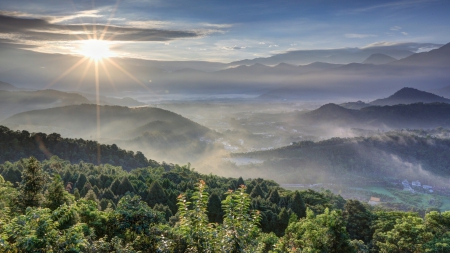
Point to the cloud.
(394, 5)
(81, 14)
(358, 35)
(410, 46)
(38, 29)
(233, 48)
(405, 33)
(395, 28)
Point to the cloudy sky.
(218, 30)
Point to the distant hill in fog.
(7, 86)
(416, 115)
(396, 154)
(159, 133)
(409, 96)
(377, 59)
(12, 102)
(106, 100)
(403, 96)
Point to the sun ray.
(66, 72)
(97, 97)
(105, 28)
(127, 73)
(105, 69)
(84, 74)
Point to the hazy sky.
(219, 30)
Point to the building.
(374, 201)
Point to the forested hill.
(81, 121)
(394, 154)
(12, 102)
(417, 115)
(15, 145)
(409, 96)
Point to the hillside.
(377, 59)
(393, 154)
(158, 133)
(12, 102)
(418, 115)
(410, 96)
(15, 145)
(7, 86)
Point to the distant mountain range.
(340, 56)
(420, 70)
(377, 59)
(321, 74)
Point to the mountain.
(16, 145)
(12, 102)
(354, 105)
(7, 86)
(356, 161)
(435, 58)
(377, 59)
(418, 115)
(107, 100)
(445, 91)
(410, 96)
(158, 133)
(423, 71)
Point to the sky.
(221, 31)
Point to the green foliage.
(322, 233)
(32, 185)
(56, 194)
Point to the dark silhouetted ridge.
(410, 96)
(377, 59)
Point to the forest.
(59, 206)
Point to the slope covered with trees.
(15, 145)
(116, 211)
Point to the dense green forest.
(15, 145)
(57, 206)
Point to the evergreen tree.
(56, 194)
(297, 205)
(358, 220)
(257, 191)
(274, 197)
(125, 186)
(32, 185)
(283, 221)
(240, 182)
(215, 212)
(156, 195)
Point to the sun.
(95, 49)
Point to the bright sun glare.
(95, 49)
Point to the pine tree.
(215, 212)
(32, 185)
(56, 194)
(274, 197)
(297, 205)
(257, 191)
(240, 182)
(156, 195)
